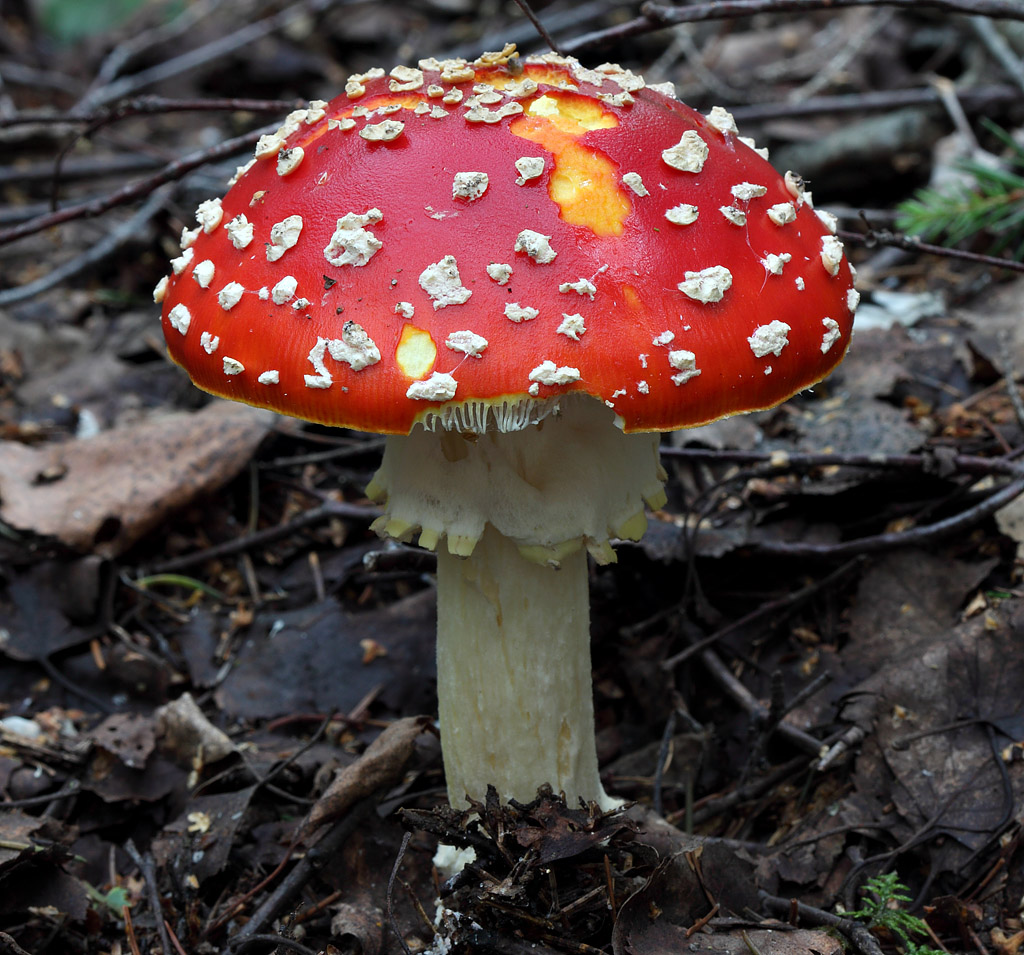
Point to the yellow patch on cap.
(416, 352)
(584, 183)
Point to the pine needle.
(990, 205)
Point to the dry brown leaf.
(359, 922)
(189, 736)
(381, 765)
(104, 493)
(131, 737)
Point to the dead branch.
(977, 99)
(317, 515)
(135, 190)
(909, 243)
(655, 16)
(146, 106)
(754, 708)
(92, 254)
(878, 543)
(190, 60)
(861, 939)
(788, 602)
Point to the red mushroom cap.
(458, 234)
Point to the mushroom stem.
(513, 674)
(513, 515)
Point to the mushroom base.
(513, 675)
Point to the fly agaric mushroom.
(521, 271)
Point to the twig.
(663, 753)
(654, 16)
(849, 741)
(858, 934)
(135, 190)
(174, 939)
(21, 74)
(71, 788)
(911, 243)
(316, 515)
(149, 877)
(94, 253)
(754, 708)
(129, 930)
(232, 41)
(272, 774)
(10, 947)
(80, 169)
(916, 536)
(787, 602)
(931, 463)
(976, 99)
(711, 806)
(281, 941)
(999, 48)
(300, 874)
(106, 118)
(58, 677)
(839, 60)
(190, 15)
(537, 25)
(391, 889)
(147, 106)
(730, 9)
(1009, 373)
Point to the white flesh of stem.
(513, 674)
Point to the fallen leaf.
(130, 737)
(906, 601)
(188, 735)
(104, 493)
(197, 843)
(312, 659)
(359, 923)
(683, 889)
(381, 765)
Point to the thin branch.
(756, 710)
(223, 45)
(976, 99)
(148, 106)
(390, 894)
(97, 252)
(788, 602)
(9, 946)
(316, 515)
(299, 876)
(915, 537)
(796, 460)
(133, 46)
(105, 118)
(898, 240)
(135, 190)
(729, 9)
(655, 16)
(1000, 49)
(537, 25)
(147, 870)
(861, 939)
(878, 543)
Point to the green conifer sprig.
(881, 910)
(992, 204)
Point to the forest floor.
(809, 674)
